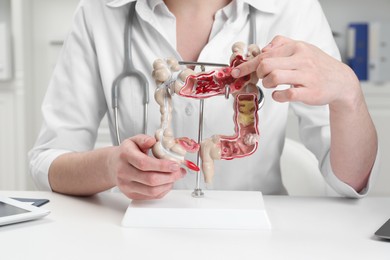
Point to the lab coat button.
(189, 110)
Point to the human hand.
(316, 77)
(138, 175)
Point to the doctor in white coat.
(299, 69)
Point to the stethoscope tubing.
(129, 71)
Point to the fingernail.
(146, 139)
(174, 167)
(235, 73)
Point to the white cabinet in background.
(5, 52)
(8, 178)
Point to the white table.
(302, 228)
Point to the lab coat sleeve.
(314, 120)
(74, 103)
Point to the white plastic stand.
(216, 210)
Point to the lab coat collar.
(119, 3)
(266, 6)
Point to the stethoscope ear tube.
(129, 71)
(253, 27)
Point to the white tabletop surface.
(302, 228)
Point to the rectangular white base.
(216, 210)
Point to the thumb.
(144, 142)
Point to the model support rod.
(198, 193)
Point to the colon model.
(171, 78)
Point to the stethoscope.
(129, 70)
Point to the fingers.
(288, 62)
(283, 77)
(279, 48)
(267, 66)
(277, 41)
(316, 77)
(144, 142)
(157, 195)
(154, 179)
(140, 160)
(150, 186)
(297, 92)
(245, 68)
(300, 94)
(140, 176)
(288, 95)
(140, 191)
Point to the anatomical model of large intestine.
(172, 78)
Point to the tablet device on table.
(384, 231)
(34, 202)
(13, 211)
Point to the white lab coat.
(79, 94)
